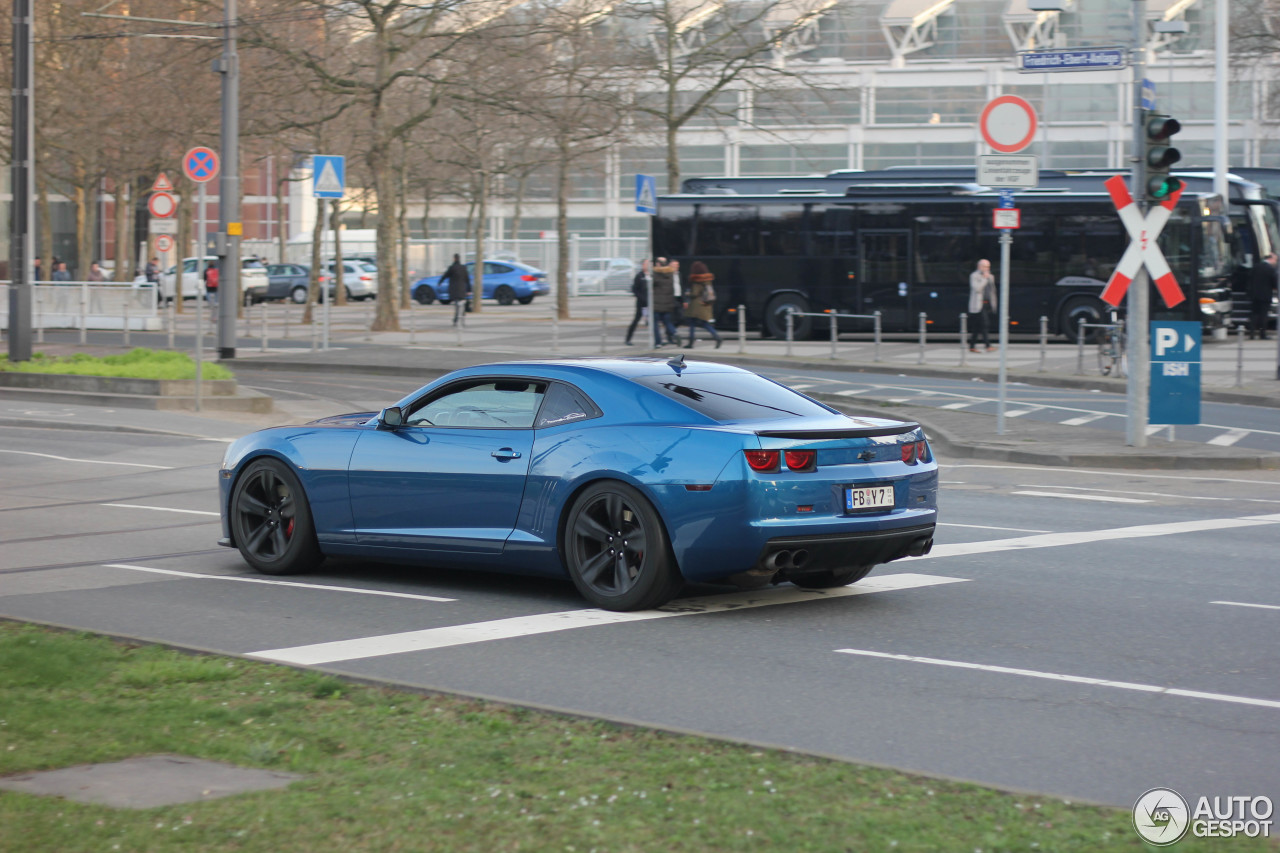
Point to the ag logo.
(1161, 817)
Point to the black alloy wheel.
(616, 549)
(425, 294)
(504, 294)
(271, 520)
(775, 317)
(525, 300)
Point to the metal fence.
(89, 305)
(432, 257)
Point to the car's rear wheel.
(775, 317)
(271, 520)
(616, 549)
(425, 294)
(298, 296)
(830, 577)
(525, 300)
(505, 295)
(1079, 308)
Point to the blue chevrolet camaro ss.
(628, 476)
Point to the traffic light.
(1160, 155)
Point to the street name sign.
(328, 175)
(1005, 170)
(1085, 59)
(1174, 397)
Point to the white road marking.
(1019, 413)
(357, 591)
(165, 509)
(1074, 679)
(852, 393)
(1083, 419)
(963, 405)
(1244, 604)
(1104, 498)
(1229, 437)
(90, 461)
(1053, 540)
(1148, 494)
(991, 527)
(544, 623)
(1098, 473)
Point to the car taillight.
(528, 278)
(800, 460)
(366, 278)
(922, 451)
(762, 460)
(909, 452)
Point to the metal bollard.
(170, 320)
(877, 336)
(84, 311)
(315, 331)
(790, 328)
(964, 338)
(288, 309)
(1044, 341)
(124, 317)
(604, 330)
(1080, 347)
(555, 328)
(413, 323)
(924, 331)
(264, 325)
(833, 334)
(1239, 356)
(742, 329)
(373, 318)
(39, 293)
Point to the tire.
(830, 578)
(638, 575)
(775, 317)
(424, 294)
(525, 300)
(1090, 309)
(298, 296)
(271, 520)
(350, 298)
(505, 295)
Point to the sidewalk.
(429, 347)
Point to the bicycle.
(1112, 360)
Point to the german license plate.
(868, 497)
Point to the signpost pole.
(1006, 240)
(200, 290)
(229, 188)
(1139, 387)
(22, 182)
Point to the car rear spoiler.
(847, 432)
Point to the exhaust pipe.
(779, 560)
(920, 547)
(799, 558)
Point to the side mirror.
(390, 418)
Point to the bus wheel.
(775, 317)
(1080, 307)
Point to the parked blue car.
(505, 281)
(627, 476)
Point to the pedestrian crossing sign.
(328, 175)
(646, 194)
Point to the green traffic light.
(1161, 187)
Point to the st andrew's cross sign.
(1142, 248)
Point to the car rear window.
(726, 397)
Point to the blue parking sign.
(1174, 397)
(646, 194)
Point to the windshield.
(1263, 218)
(1216, 258)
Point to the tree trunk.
(314, 285)
(384, 185)
(85, 208)
(186, 215)
(403, 221)
(519, 207)
(673, 159)
(281, 235)
(562, 235)
(481, 206)
(339, 271)
(124, 233)
(45, 216)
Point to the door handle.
(505, 453)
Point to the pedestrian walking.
(1262, 287)
(96, 273)
(664, 300)
(459, 289)
(701, 307)
(60, 272)
(982, 302)
(639, 289)
(152, 271)
(211, 283)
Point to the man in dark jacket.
(459, 288)
(640, 290)
(1262, 286)
(664, 300)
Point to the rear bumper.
(844, 550)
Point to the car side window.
(564, 405)
(189, 266)
(487, 404)
(490, 268)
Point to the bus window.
(831, 229)
(948, 251)
(731, 229)
(1088, 245)
(671, 230)
(782, 230)
(1031, 256)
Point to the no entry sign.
(1008, 124)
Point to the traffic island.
(223, 395)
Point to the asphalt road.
(1085, 634)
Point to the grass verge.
(390, 770)
(137, 363)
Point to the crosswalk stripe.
(1229, 437)
(1083, 419)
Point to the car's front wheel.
(616, 549)
(298, 295)
(425, 295)
(831, 577)
(505, 295)
(271, 520)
